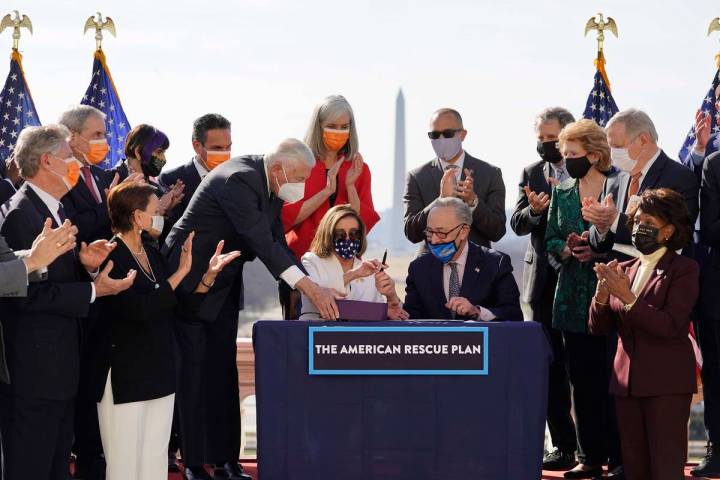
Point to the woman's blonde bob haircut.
(323, 245)
(325, 113)
(591, 138)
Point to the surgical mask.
(70, 179)
(577, 167)
(153, 167)
(216, 157)
(346, 248)
(447, 148)
(158, 222)
(290, 192)
(97, 151)
(548, 151)
(621, 159)
(644, 238)
(443, 251)
(334, 140)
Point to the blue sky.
(264, 65)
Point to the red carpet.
(551, 475)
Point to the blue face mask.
(347, 248)
(443, 251)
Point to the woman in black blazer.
(135, 377)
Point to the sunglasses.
(353, 234)
(447, 133)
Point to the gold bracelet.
(202, 280)
(598, 302)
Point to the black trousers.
(37, 436)
(708, 332)
(559, 418)
(208, 398)
(589, 369)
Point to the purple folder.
(359, 311)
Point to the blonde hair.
(591, 137)
(326, 112)
(323, 245)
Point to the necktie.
(87, 176)
(61, 213)
(454, 287)
(634, 184)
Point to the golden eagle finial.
(598, 23)
(16, 24)
(99, 25)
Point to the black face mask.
(153, 167)
(548, 151)
(644, 238)
(577, 167)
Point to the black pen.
(384, 260)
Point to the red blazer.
(299, 237)
(654, 355)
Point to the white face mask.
(621, 159)
(158, 222)
(290, 192)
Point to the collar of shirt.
(51, 202)
(202, 171)
(649, 164)
(460, 162)
(559, 170)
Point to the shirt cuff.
(697, 157)
(292, 275)
(485, 314)
(27, 274)
(614, 226)
(92, 292)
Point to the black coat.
(90, 217)
(190, 177)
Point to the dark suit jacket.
(422, 187)
(42, 336)
(232, 203)
(190, 177)
(523, 222)
(7, 190)
(654, 354)
(487, 282)
(710, 236)
(664, 173)
(91, 218)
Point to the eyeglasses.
(447, 133)
(441, 235)
(353, 234)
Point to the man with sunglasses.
(457, 279)
(454, 173)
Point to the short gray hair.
(328, 111)
(290, 149)
(461, 209)
(75, 117)
(449, 111)
(636, 122)
(562, 115)
(33, 142)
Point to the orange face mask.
(97, 151)
(217, 157)
(334, 140)
(73, 172)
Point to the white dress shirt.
(202, 171)
(328, 273)
(485, 314)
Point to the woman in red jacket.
(339, 177)
(649, 301)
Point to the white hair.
(636, 122)
(461, 209)
(75, 117)
(33, 142)
(290, 150)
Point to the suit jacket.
(91, 218)
(13, 273)
(232, 203)
(710, 236)
(7, 190)
(190, 177)
(42, 329)
(654, 354)
(487, 282)
(664, 173)
(422, 188)
(524, 222)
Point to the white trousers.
(135, 436)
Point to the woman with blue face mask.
(335, 261)
(584, 146)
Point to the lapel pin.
(477, 269)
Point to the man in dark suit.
(540, 278)
(240, 202)
(454, 173)
(456, 278)
(36, 408)
(9, 179)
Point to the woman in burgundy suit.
(649, 301)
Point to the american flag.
(17, 109)
(600, 104)
(103, 95)
(707, 106)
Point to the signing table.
(392, 427)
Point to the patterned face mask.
(347, 248)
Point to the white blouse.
(328, 273)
